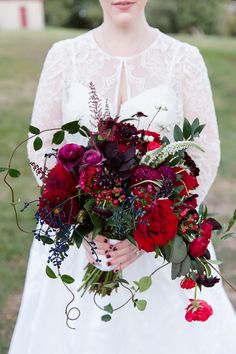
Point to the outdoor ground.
(21, 58)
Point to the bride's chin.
(123, 19)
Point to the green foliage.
(50, 273)
(185, 15)
(141, 305)
(67, 279)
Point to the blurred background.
(27, 30)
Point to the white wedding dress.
(168, 73)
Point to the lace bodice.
(168, 73)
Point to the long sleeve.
(198, 102)
(47, 112)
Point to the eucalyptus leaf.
(144, 283)
(175, 270)
(178, 250)
(185, 266)
(34, 130)
(215, 261)
(50, 273)
(38, 143)
(14, 173)
(141, 305)
(67, 279)
(195, 125)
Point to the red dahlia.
(60, 178)
(157, 227)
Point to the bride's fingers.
(130, 249)
(123, 265)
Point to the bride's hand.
(121, 254)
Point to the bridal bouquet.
(130, 184)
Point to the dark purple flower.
(93, 157)
(70, 155)
(168, 181)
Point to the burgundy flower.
(208, 282)
(70, 155)
(206, 229)
(92, 157)
(198, 310)
(198, 246)
(144, 173)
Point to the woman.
(136, 68)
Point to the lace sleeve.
(47, 111)
(198, 102)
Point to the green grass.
(22, 55)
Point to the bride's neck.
(124, 39)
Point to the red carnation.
(157, 227)
(60, 178)
(188, 181)
(187, 283)
(198, 310)
(206, 229)
(198, 246)
(57, 207)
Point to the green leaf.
(67, 279)
(97, 222)
(195, 125)
(198, 266)
(144, 284)
(178, 250)
(178, 134)
(34, 130)
(175, 270)
(199, 129)
(215, 261)
(58, 137)
(185, 266)
(127, 120)
(84, 131)
(79, 233)
(187, 129)
(131, 239)
(3, 169)
(14, 173)
(106, 318)
(123, 281)
(46, 240)
(72, 127)
(157, 251)
(229, 235)
(108, 308)
(38, 143)
(141, 305)
(50, 273)
(231, 222)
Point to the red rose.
(198, 310)
(157, 227)
(206, 229)
(60, 178)
(188, 181)
(198, 246)
(187, 283)
(57, 207)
